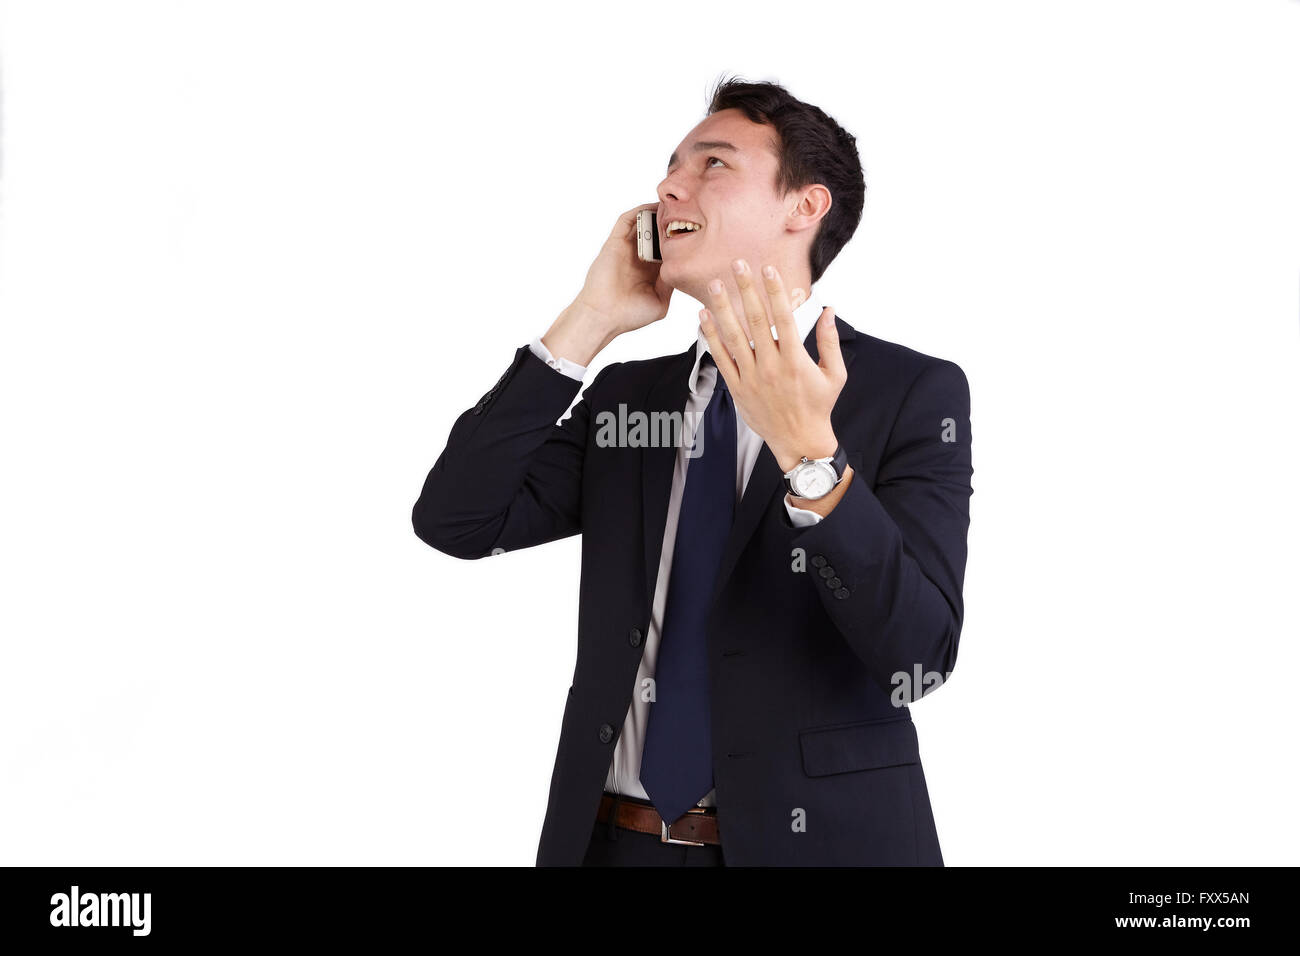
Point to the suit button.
(818, 561)
(833, 583)
(606, 733)
(634, 637)
(842, 593)
(827, 572)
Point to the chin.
(675, 276)
(685, 281)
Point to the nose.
(668, 189)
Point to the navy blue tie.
(677, 760)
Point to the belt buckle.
(666, 837)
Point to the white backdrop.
(257, 258)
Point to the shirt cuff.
(800, 517)
(571, 369)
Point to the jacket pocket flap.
(864, 746)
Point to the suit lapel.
(669, 393)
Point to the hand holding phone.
(623, 291)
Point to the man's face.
(723, 176)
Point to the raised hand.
(783, 395)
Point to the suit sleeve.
(896, 553)
(509, 476)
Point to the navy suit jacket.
(815, 759)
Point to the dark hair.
(812, 148)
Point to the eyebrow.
(703, 145)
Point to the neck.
(798, 288)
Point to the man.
(747, 642)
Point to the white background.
(258, 257)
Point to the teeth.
(682, 224)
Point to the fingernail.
(739, 266)
(769, 272)
(715, 286)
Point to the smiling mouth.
(682, 235)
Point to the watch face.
(814, 480)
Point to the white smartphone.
(647, 236)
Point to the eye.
(712, 159)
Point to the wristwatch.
(815, 478)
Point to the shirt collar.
(805, 317)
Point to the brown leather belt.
(696, 827)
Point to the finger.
(787, 332)
(756, 320)
(734, 337)
(721, 357)
(626, 225)
(631, 213)
(829, 356)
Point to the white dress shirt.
(624, 774)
